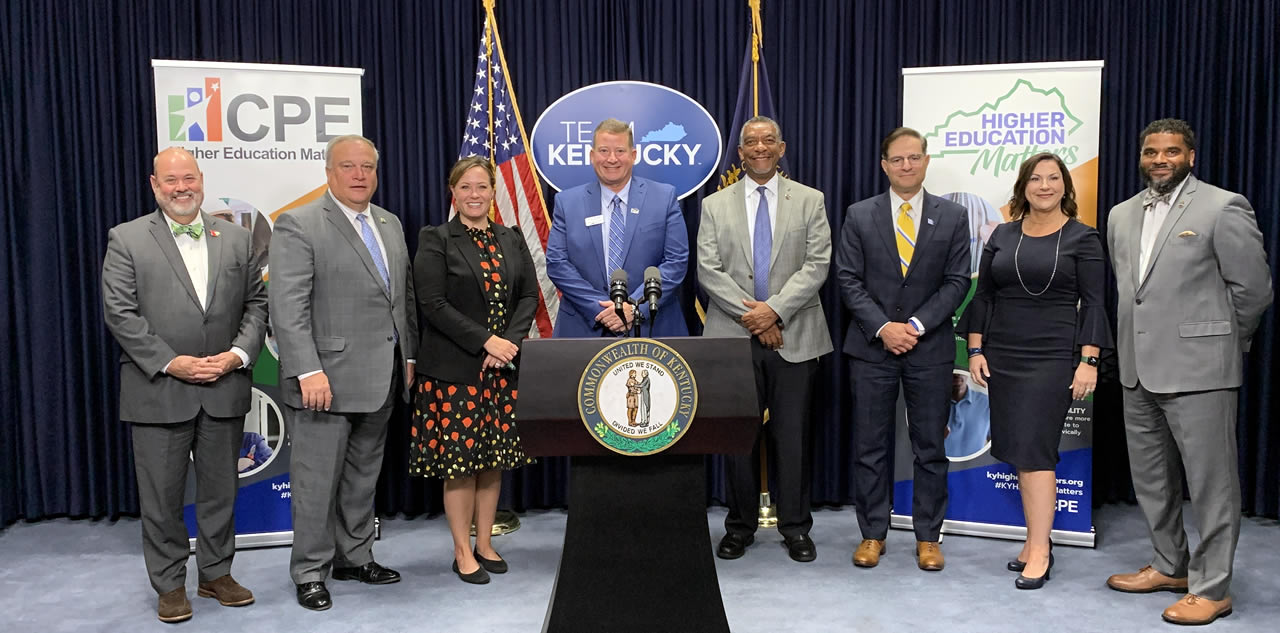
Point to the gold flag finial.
(488, 4)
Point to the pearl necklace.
(1018, 270)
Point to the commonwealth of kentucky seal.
(637, 396)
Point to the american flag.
(494, 131)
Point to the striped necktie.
(905, 233)
(617, 229)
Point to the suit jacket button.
(389, 339)
(750, 277)
(1138, 301)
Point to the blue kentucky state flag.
(755, 98)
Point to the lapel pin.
(213, 233)
(930, 220)
(382, 220)
(635, 210)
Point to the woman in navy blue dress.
(1035, 328)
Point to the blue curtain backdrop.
(77, 136)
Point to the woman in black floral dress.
(478, 292)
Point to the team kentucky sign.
(677, 141)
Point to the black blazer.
(875, 292)
(450, 293)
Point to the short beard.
(1179, 174)
(171, 209)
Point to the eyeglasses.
(914, 159)
(348, 167)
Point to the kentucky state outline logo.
(637, 396)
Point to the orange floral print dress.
(461, 429)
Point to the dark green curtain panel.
(77, 135)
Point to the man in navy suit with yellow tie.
(903, 268)
(619, 222)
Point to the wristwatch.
(1091, 361)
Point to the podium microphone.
(652, 288)
(618, 291)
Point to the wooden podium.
(637, 552)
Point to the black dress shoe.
(1023, 582)
(1018, 566)
(734, 545)
(477, 577)
(314, 596)
(498, 566)
(370, 573)
(801, 548)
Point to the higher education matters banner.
(258, 132)
(980, 124)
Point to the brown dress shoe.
(929, 556)
(228, 592)
(868, 552)
(173, 606)
(1193, 609)
(1146, 580)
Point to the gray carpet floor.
(67, 575)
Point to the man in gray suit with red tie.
(902, 265)
(342, 305)
(1193, 282)
(182, 293)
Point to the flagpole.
(768, 514)
(755, 56)
(515, 106)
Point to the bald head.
(177, 184)
(169, 155)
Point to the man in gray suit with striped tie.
(341, 291)
(182, 293)
(764, 248)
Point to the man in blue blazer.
(619, 222)
(902, 265)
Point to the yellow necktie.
(905, 234)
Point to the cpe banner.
(677, 141)
(258, 133)
(980, 123)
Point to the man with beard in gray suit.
(182, 293)
(342, 305)
(1193, 283)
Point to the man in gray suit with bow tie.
(1193, 283)
(182, 293)
(341, 291)
(764, 249)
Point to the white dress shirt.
(355, 224)
(753, 205)
(195, 255)
(916, 202)
(1153, 218)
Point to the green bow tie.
(194, 230)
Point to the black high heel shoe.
(1023, 582)
(1018, 566)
